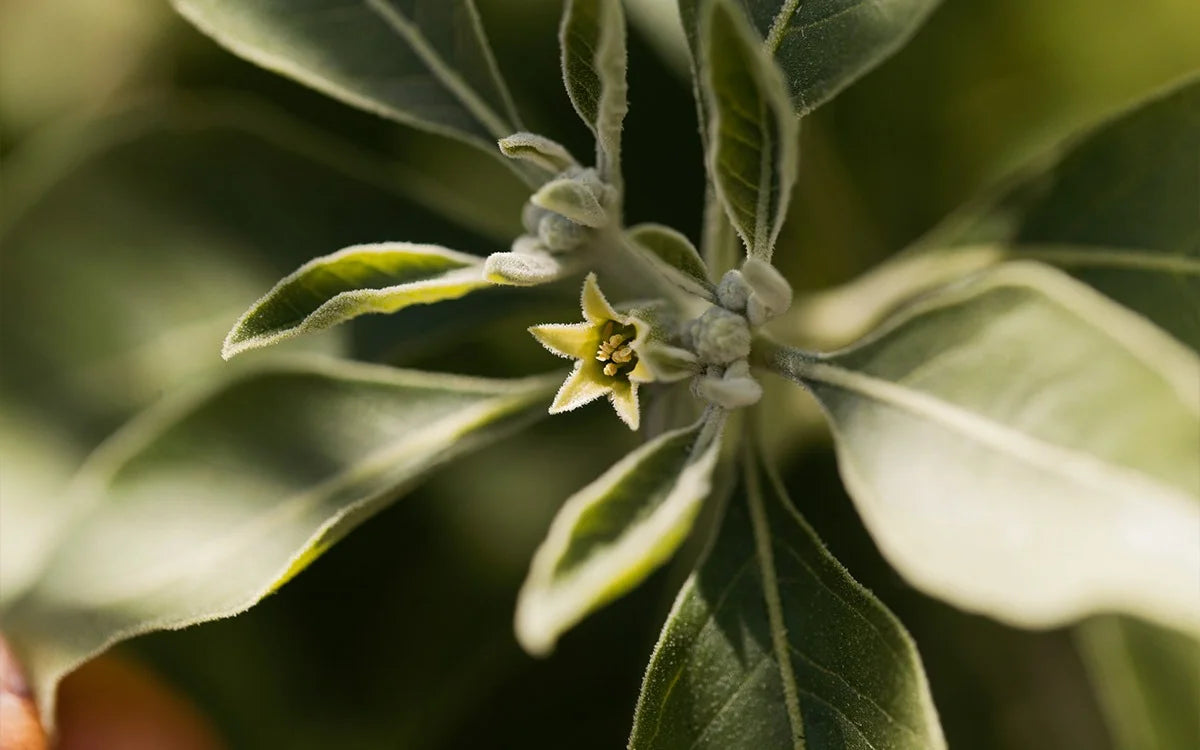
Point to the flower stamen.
(614, 351)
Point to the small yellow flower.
(606, 347)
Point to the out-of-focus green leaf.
(822, 46)
(1148, 681)
(154, 228)
(1117, 210)
(674, 256)
(613, 533)
(1019, 445)
(358, 280)
(592, 37)
(207, 503)
(751, 131)
(425, 63)
(37, 459)
(772, 644)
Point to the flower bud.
(735, 389)
(560, 234)
(733, 291)
(531, 217)
(770, 293)
(721, 336)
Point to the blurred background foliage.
(154, 185)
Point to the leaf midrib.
(1036, 452)
(773, 600)
(370, 467)
(403, 28)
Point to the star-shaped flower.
(606, 346)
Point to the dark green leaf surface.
(1118, 211)
(614, 532)
(1021, 446)
(822, 46)
(1148, 681)
(355, 281)
(771, 644)
(752, 140)
(674, 256)
(208, 502)
(592, 37)
(423, 62)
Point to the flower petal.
(624, 398)
(574, 340)
(580, 387)
(596, 309)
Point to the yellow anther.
(610, 369)
(615, 340)
(607, 329)
(622, 355)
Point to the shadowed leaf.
(210, 501)
(771, 644)
(1019, 445)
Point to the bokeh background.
(154, 185)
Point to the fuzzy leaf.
(1021, 446)
(592, 38)
(674, 256)
(613, 533)
(209, 502)
(771, 644)
(425, 63)
(573, 200)
(1116, 209)
(362, 279)
(1148, 682)
(547, 154)
(526, 268)
(751, 132)
(822, 46)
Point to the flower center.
(616, 350)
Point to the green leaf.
(751, 132)
(592, 37)
(209, 502)
(1021, 446)
(572, 199)
(1148, 681)
(157, 228)
(674, 256)
(613, 533)
(822, 46)
(326, 291)
(424, 63)
(772, 644)
(1117, 211)
(551, 156)
(37, 459)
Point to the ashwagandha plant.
(1015, 400)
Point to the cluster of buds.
(561, 219)
(575, 211)
(722, 335)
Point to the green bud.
(560, 234)
(733, 291)
(721, 336)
